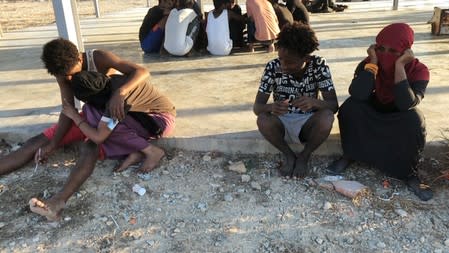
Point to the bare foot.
(301, 169)
(51, 210)
(131, 159)
(153, 156)
(287, 166)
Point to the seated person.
(237, 25)
(151, 32)
(297, 114)
(150, 115)
(298, 10)
(181, 28)
(282, 13)
(263, 24)
(323, 6)
(217, 28)
(380, 123)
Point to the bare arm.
(307, 104)
(97, 135)
(261, 106)
(107, 62)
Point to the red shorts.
(73, 135)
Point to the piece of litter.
(332, 178)
(139, 189)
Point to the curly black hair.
(298, 38)
(59, 56)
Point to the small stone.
(207, 158)
(177, 230)
(246, 178)
(2, 224)
(165, 172)
(144, 176)
(350, 240)
(238, 167)
(109, 223)
(150, 243)
(381, 245)
(446, 243)
(36, 239)
(256, 186)
(67, 218)
(401, 212)
(319, 241)
(103, 219)
(327, 205)
(228, 197)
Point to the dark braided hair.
(59, 56)
(298, 39)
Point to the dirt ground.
(194, 203)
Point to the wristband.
(371, 67)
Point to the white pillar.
(395, 5)
(148, 3)
(67, 22)
(97, 8)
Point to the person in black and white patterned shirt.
(297, 114)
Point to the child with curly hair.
(296, 115)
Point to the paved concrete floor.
(214, 95)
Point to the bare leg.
(52, 208)
(271, 128)
(270, 48)
(132, 158)
(315, 131)
(15, 160)
(251, 47)
(153, 156)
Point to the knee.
(89, 148)
(326, 120)
(263, 121)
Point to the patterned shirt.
(317, 77)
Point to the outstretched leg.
(273, 130)
(16, 159)
(52, 208)
(315, 131)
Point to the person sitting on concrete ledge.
(182, 28)
(380, 123)
(263, 25)
(152, 30)
(296, 78)
(63, 60)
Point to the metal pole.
(97, 8)
(395, 5)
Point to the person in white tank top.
(181, 28)
(218, 38)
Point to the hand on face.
(372, 53)
(407, 57)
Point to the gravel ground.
(195, 203)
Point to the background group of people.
(124, 112)
(178, 27)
